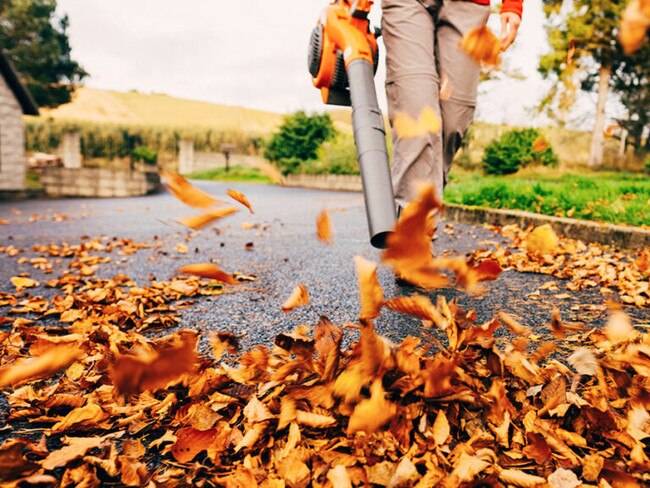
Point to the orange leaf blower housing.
(342, 60)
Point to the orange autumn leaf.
(371, 292)
(409, 246)
(270, 171)
(371, 414)
(22, 282)
(210, 271)
(542, 240)
(516, 477)
(298, 298)
(419, 306)
(406, 127)
(87, 416)
(55, 359)
(540, 145)
(241, 198)
(441, 429)
(446, 90)
(190, 442)
(488, 270)
(634, 25)
(197, 222)
(186, 192)
(482, 46)
(324, 227)
(77, 447)
(155, 368)
(514, 326)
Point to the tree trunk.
(598, 136)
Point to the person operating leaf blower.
(422, 40)
(423, 52)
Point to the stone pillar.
(185, 156)
(71, 150)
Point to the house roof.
(19, 90)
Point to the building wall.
(12, 141)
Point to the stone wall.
(190, 161)
(12, 141)
(325, 182)
(98, 182)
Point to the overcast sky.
(250, 53)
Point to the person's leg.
(412, 84)
(454, 20)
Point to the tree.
(37, 43)
(584, 48)
(298, 139)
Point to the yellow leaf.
(21, 282)
(407, 128)
(181, 248)
(43, 366)
(371, 414)
(87, 416)
(542, 240)
(419, 306)
(519, 478)
(482, 46)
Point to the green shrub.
(145, 154)
(299, 137)
(337, 156)
(288, 166)
(516, 149)
(647, 165)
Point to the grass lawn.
(236, 173)
(620, 198)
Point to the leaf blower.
(342, 60)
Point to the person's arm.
(511, 13)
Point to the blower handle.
(370, 140)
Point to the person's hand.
(510, 22)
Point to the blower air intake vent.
(315, 53)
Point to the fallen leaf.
(190, 442)
(584, 361)
(520, 478)
(371, 414)
(241, 198)
(77, 447)
(298, 298)
(87, 416)
(21, 282)
(208, 270)
(441, 429)
(324, 227)
(563, 478)
(419, 306)
(339, 477)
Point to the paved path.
(287, 253)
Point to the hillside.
(107, 106)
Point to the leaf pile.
(582, 265)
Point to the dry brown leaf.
(314, 420)
(77, 447)
(21, 282)
(482, 46)
(255, 411)
(339, 477)
(87, 416)
(563, 478)
(407, 127)
(324, 227)
(441, 429)
(619, 328)
(299, 297)
(584, 361)
(419, 306)
(520, 478)
(271, 171)
(370, 290)
(43, 366)
(371, 414)
(186, 192)
(405, 475)
(156, 368)
(514, 326)
(197, 222)
(559, 328)
(252, 436)
(466, 470)
(241, 198)
(190, 442)
(540, 144)
(208, 270)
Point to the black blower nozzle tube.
(370, 140)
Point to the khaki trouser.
(422, 45)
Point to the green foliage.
(337, 156)
(109, 141)
(516, 149)
(145, 154)
(298, 138)
(288, 166)
(37, 43)
(647, 165)
(236, 173)
(619, 198)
